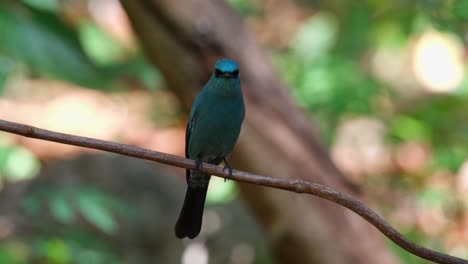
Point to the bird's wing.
(191, 121)
(187, 140)
(188, 131)
(187, 137)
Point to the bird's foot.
(227, 167)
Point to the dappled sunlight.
(195, 253)
(110, 15)
(360, 148)
(391, 66)
(412, 157)
(433, 61)
(211, 222)
(83, 113)
(410, 146)
(462, 182)
(457, 236)
(62, 107)
(438, 61)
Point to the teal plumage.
(212, 131)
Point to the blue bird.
(212, 131)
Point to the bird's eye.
(218, 73)
(235, 73)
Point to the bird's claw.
(227, 167)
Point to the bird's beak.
(228, 75)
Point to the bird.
(212, 131)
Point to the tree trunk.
(184, 39)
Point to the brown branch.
(298, 186)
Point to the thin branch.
(298, 186)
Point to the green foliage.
(221, 191)
(14, 252)
(354, 38)
(450, 156)
(448, 15)
(74, 250)
(17, 163)
(54, 251)
(433, 197)
(81, 249)
(38, 42)
(93, 206)
(316, 37)
(6, 68)
(99, 46)
(46, 5)
(97, 207)
(328, 67)
(329, 87)
(75, 245)
(140, 69)
(405, 256)
(62, 209)
(37, 38)
(244, 7)
(407, 128)
(428, 120)
(44, 43)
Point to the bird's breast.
(216, 129)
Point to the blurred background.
(383, 83)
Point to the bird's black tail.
(190, 218)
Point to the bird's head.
(227, 69)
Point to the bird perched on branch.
(213, 129)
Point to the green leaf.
(100, 46)
(48, 5)
(44, 43)
(61, 209)
(450, 157)
(141, 69)
(355, 28)
(404, 255)
(433, 197)
(20, 164)
(244, 7)
(6, 68)
(316, 37)
(96, 213)
(5, 152)
(220, 191)
(14, 252)
(409, 128)
(58, 252)
(90, 256)
(460, 10)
